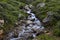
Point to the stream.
(31, 29)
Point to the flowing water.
(27, 31)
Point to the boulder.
(28, 21)
(1, 22)
(1, 34)
(41, 5)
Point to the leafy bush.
(9, 11)
(57, 29)
(45, 37)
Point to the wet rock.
(1, 34)
(1, 31)
(15, 35)
(28, 22)
(31, 17)
(50, 13)
(30, 6)
(19, 15)
(10, 35)
(41, 5)
(14, 39)
(35, 39)
(37, 21)
(1, 23)
(26, 7)
(48, 18)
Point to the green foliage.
(50, 5)
(9, 11)
(41, 13)
(57, 29)
(45, 37)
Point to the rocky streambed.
(30, 27)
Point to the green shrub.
(56, 30)
(45, 37)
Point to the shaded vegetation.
(45, 37)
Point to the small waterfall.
(34, 25)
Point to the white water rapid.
(33, 25)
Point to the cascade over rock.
(27, 28)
